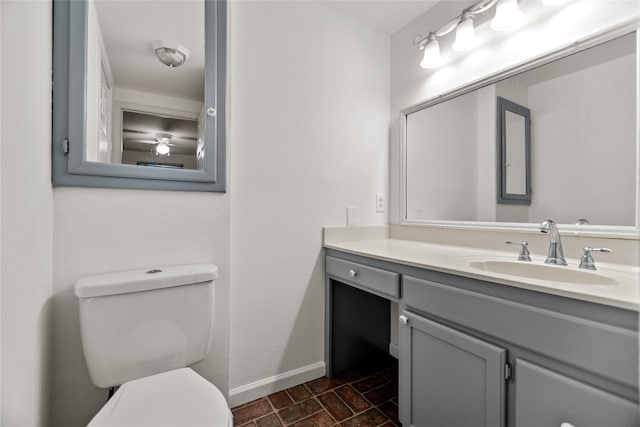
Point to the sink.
(551, 273)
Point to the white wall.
(309, 129)
(549, 29)
(26, 212)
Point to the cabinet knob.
(405, 319)
(353, 273)
(211, 112)
(566, 425)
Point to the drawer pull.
(566, 425)
(404, 320)
(353, 273)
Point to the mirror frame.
(503, 196)
(69, 167)
(611, 231)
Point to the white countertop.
(625, 293)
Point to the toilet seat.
(176, 398)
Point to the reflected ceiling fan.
(162, 142)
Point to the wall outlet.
(379, 202)
(352, 216)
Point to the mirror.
(139, 94)
(514, 147)
(583, 142)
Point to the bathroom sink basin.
(551, 273)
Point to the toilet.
(140, 331)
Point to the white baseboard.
(247, 393)
(393, 350)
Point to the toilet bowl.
(140, 331)
(176, 398)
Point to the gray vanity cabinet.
(476, 353)
(548, 398)
(449, 378)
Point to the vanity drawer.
(379, 281)
(548, 398)
(609, 351)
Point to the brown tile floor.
(350, 399)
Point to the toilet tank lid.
(143, 280)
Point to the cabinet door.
(448, 378)
(547, 398)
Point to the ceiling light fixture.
(170, 54)
(507, 15)
(466, 38)
(162, 148)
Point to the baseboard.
(393, 350)
(247, 393)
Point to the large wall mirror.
(582, 152)
(139, 94)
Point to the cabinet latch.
(508, 371)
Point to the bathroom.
(314, 95)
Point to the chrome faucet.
(555, 256)
(587, 259)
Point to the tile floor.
(350, 399)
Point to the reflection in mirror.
(583, 145)
(152, 140)
(514, 147)
(515, 154)
(145, 82)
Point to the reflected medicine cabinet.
(71, 149)
(514, 153)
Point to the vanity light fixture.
(170, 54)
(431, 47)
(507, 15)
(466, 38)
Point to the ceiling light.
(553, 2)
(162, 149)
(431, 58)
(465, 34)
(507, 15)
(170, 54)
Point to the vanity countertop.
(458, 260)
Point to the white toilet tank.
(139, 323)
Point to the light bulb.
(507, 15)
(465, 35)
(553, 2)
(431, 58)
(162, 148)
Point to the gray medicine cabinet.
(73, 163)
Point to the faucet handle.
(587, 260)
(524, 250)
